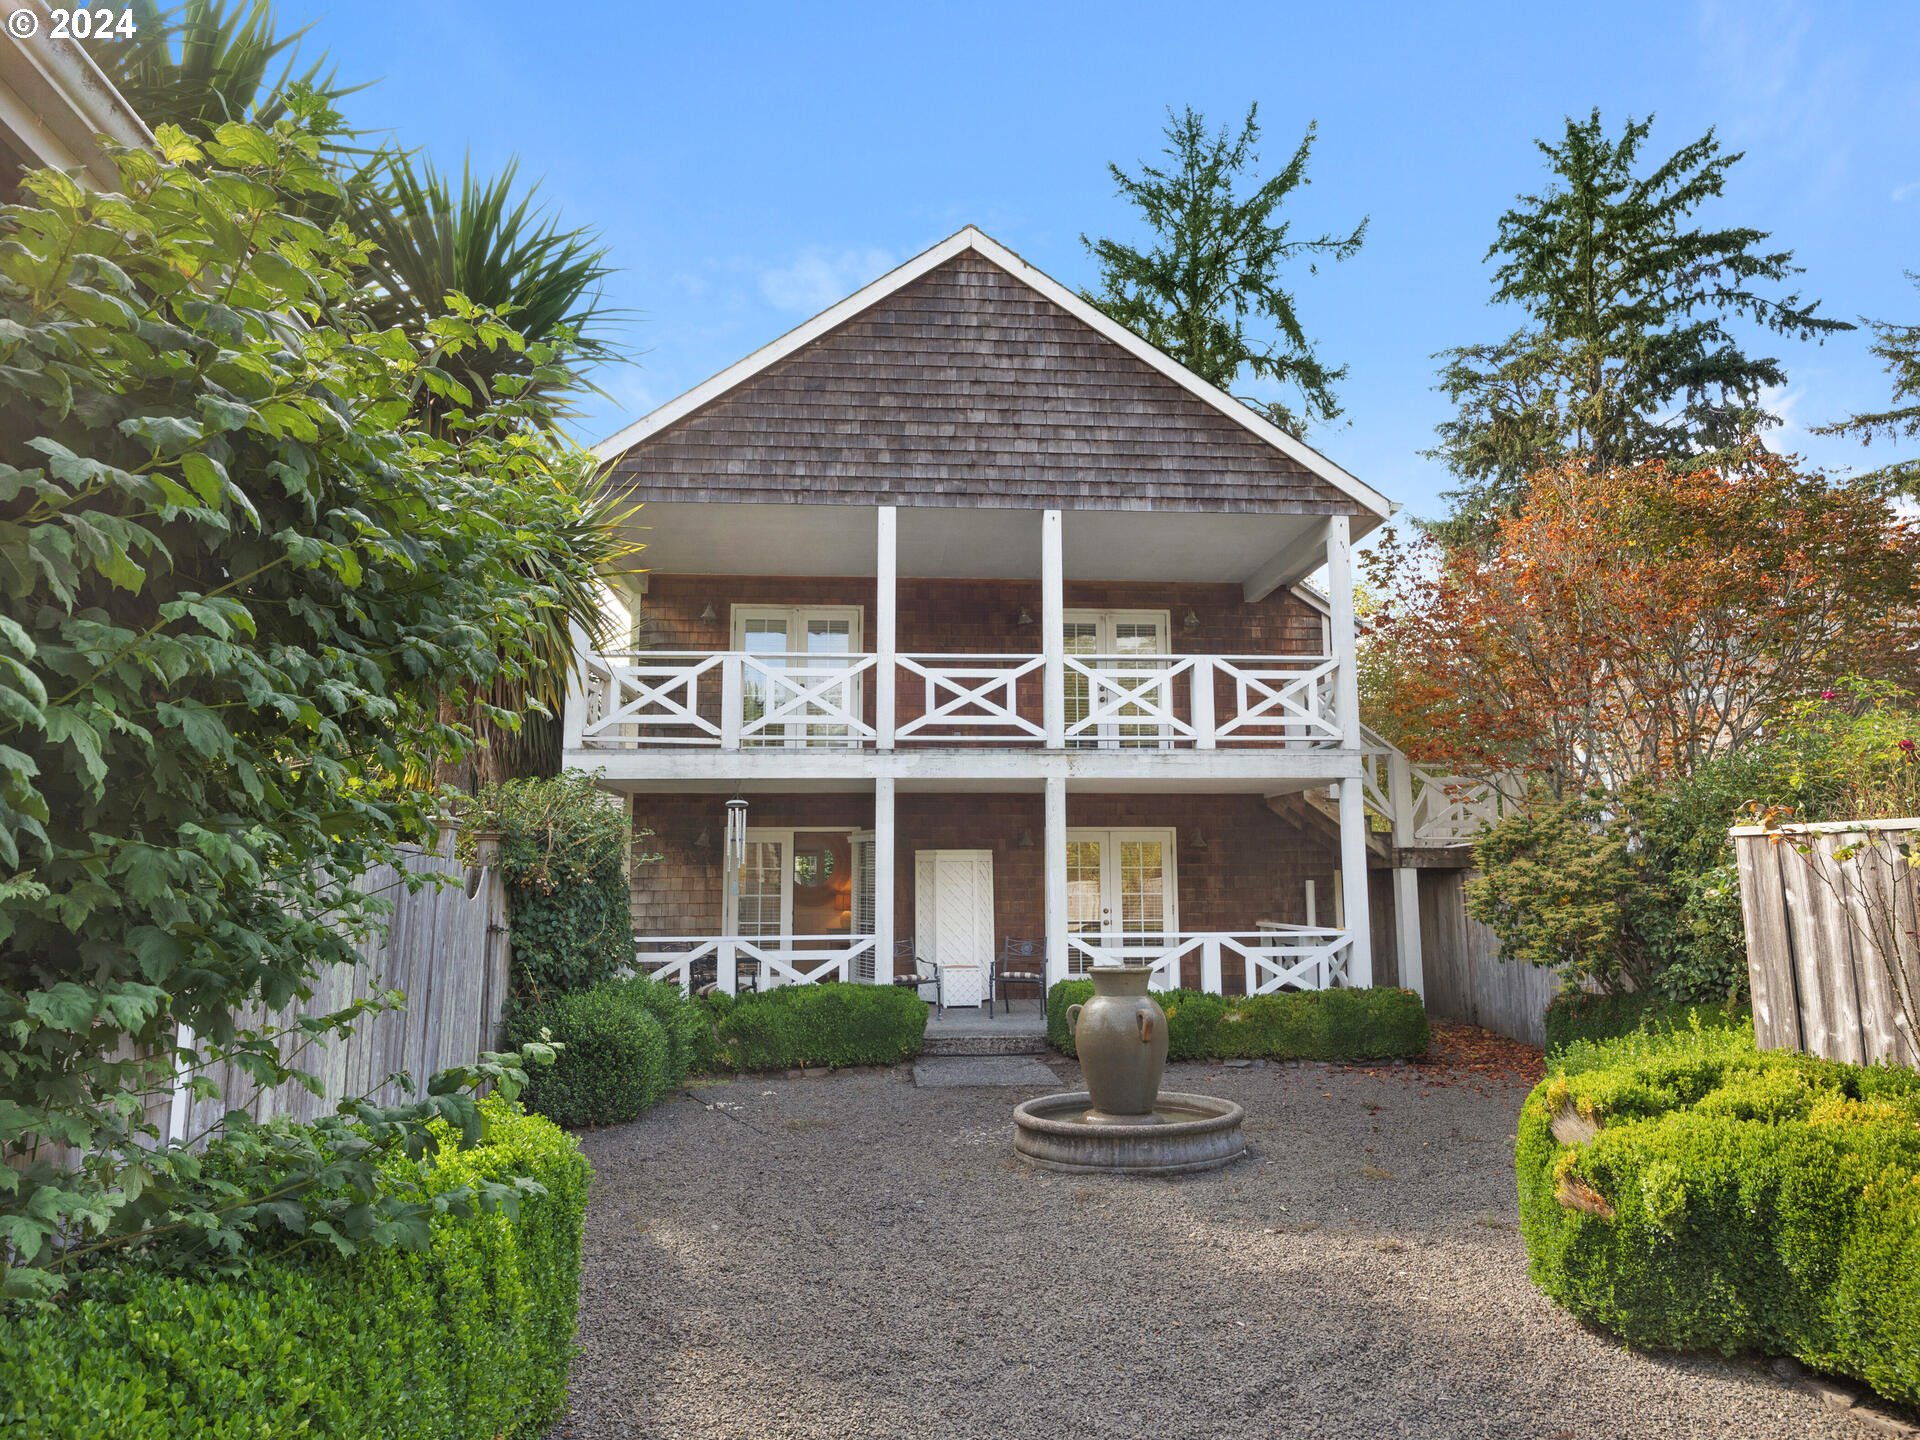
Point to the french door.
(792, 673)
(806, 882)
(1116, 636)
(1122, 892)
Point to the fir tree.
(1626, 354)
(1216, 265)
(1899, 346)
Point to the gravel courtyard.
(849, 1256)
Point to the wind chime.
(733, 865)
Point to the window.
(794, 652)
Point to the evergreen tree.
(1899, 346)
(1216, 264)
(1627, 354)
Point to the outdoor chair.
(910, 972)
(1021, 962)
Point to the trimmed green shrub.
(1374, 1024)
(1707, 1195)
(471, 1336)
(1580, 1015)
(563, 854)
(687, 1023)
(617, 1060)
(818, 1025)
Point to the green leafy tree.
(1899, 346)
(1218, 263)
(241, 581)
(1628, 352)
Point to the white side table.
(962, 985)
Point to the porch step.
(938, 1045)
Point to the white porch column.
(1053, 622)
(1056, 879)
(883, 880)
(1406, 880)
(1355, 911)
(885, 575)
(1346, 679)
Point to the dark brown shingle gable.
(968, 386)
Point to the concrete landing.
(976, 1032)
(984, 1071)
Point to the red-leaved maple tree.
(1633, 621)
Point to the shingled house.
(970, 615)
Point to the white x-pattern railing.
(734, 699)
(971, 699)
(803, 700)
(753, 962)
(1453, 809)
(1273, 958)
(1277, 699)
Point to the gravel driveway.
(849, 1256)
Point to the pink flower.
(1829, 694)
(1907, 747)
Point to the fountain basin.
(1184, 1133)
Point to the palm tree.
(219, 70)
(500, 251)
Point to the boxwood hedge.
(1382, 1024)
(817, 1025)
(624, 1044)
(470, 1336)
(1577, 1015)
(1685, 1190)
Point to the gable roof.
(967, 376)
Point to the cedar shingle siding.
(966, 387)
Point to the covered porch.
(1231, 891)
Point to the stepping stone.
(970, 1071)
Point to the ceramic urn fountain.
(1121, 1122)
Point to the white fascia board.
(55, 100)
(1035, 279)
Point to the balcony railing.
(735, 700)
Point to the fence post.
(1210, 967)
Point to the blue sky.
(749, 164)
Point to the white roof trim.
(998, 254)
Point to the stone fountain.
(1121, 1123)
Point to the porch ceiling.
(720, 539)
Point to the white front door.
(1110, 639)
(953, 920)
(1122, 892)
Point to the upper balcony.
(745, 700)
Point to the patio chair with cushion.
(910, 972)
(1020, 962)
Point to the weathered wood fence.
(1832, 943)
(1466, 977)
(444, 945)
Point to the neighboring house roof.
(968, 377)
(55, 104)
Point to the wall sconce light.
(1199, 845)
(709, 613)
(1190, 621)
(1025, 839)
(703, 842)
(1025, 617)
